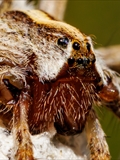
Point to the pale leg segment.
(96, 139)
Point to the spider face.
(48, 76)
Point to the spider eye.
(76, 46)
(80, 61)
(88, 46)
(84, 61)
(63, 42)
(71, 60)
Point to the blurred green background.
(100, 19)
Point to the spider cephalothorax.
(49, 76)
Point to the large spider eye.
(88, 46)
(76, 46)
(63, 42)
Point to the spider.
(51, 76)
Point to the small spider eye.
(80, 61)
(63, 42)
(71, 60)
(88, 46)
(84, 61)
(76, 46)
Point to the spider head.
(82, 54)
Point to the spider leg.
(96, 139)
(23, 144)
(110, 92)
(5, 5)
